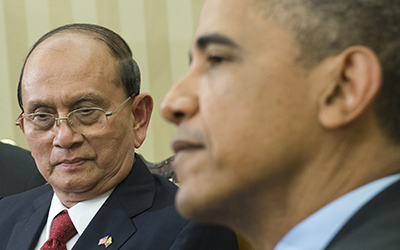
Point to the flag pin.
(106, 241)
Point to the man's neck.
(279, 209)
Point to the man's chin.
(194, 207)
(186, 205)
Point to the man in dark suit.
(288, 123)
(18, 170)
(83, 117)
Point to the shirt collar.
(81, 214)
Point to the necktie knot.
(61, 231)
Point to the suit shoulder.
(375, 226)
(165, 184)
(27, 198)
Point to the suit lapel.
(26, 233)
(111, 220)
(133, 196)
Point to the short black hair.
(127, 69)
(324, 28)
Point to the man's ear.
(142, 106)
(355, 79)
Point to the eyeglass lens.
(83, 121)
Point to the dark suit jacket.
(139, 214)
(18, 171)
(375, 227)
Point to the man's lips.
(71, 163)
(183, 145)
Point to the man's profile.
(288, 123)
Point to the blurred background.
(159, 33)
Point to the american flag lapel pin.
(106, 241)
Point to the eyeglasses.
(84, 121)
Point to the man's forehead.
(61, 61)
(271, 11)
(234, 23)
(235, 9)
(228, 16)
(69, 49)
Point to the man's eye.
(88, 116)
(215, 59)
(41, 117)
(85, 111)
(41, 120)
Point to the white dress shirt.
(81, 214)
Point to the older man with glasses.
(83, 117)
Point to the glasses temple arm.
(115, 110)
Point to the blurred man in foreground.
(288, 123)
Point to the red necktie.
(61, 231)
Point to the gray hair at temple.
(324, 28)
(126, 68)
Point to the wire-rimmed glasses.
(84, 121)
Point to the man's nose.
(65, 136)
(181, 102)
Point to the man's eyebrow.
(33, 105)
(204, 41)
(88, 97)
(94, 98)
